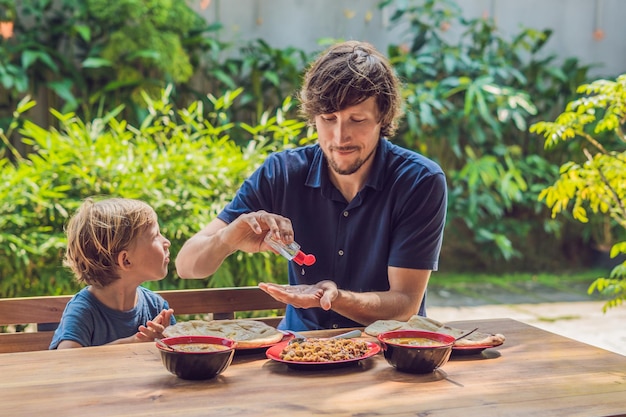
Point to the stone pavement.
(571, 313)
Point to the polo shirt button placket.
(346, 213)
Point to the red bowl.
(197, 365)
(414, 358)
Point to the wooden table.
(535, 373)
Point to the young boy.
(113, 246)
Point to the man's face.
(349, 137)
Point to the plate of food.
(322, 353)
(474, 343)
(249, 334)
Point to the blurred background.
(591, 30)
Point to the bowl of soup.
(197, 357)
(416, 351)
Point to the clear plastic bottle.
(292, 251)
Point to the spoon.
(301, 338)
(348, 335)
(165, 345)
(465, 335)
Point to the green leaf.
(144, 53)
(84, 31)
(29, 57)
(272, 77)
(25, 104)
(96, 63)
(63, 89)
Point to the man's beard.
(352, 168)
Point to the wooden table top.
(535, 373)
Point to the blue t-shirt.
(87, 321)
(397, 219)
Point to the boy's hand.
(154, 328)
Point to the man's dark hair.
(347, 74)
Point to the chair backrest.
(46, 312)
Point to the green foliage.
(144, 36)
(90, 52)
(267, 75)
(596, 184)
(471, 93)
(470, 97)
(181, 162)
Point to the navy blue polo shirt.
(397, 219)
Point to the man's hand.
(321, 294)
(400, 302)
(247, 232)
(205, 251)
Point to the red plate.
(274, 354)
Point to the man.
(371, 212)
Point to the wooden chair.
(46, 312)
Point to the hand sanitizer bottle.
(292, 251)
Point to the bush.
(88, 53)
(182, 163)
(470, 97)
(593, 185)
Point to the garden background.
(165, 102)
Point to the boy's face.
(149, 255)
(349, 137)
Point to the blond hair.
(98, 232)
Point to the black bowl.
(197, 365)
(414, 358)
